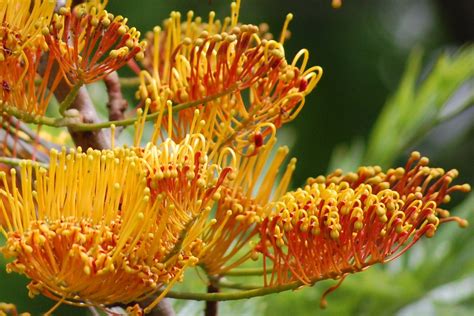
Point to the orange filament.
(19, 92)
(90, 43)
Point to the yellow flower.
(111, 226)
(216, 62)
(22, 23)
(338, 225)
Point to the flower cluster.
(219, 63)
(109, 226)
(342, 224)
(208, 187)
(37, 39)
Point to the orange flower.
(90, 43)
(246, 85)
(340, 225)
(80, 231)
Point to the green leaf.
(416, 107)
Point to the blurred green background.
(366, 48)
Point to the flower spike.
(90, 43)
(78, 230)
(193, 61)
(338, 225)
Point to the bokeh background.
(364, 48)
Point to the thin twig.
(247, 272)
(232, 296)
(224, 283)
(78, 99)
(261, 291)
(70, 98)
(150, 117)
(76, 125)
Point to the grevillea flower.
(111, 226)
(240, 208)
(22, 22)
(339, 225)
(216, 62)
(90, 43)
(20, 94)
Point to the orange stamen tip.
(323, 303)
(430, 232)
(463, 223)
(415, 155)
(336, 4)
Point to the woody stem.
(212, 307)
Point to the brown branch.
(212, 308)
(117, 105)
(99, 139)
